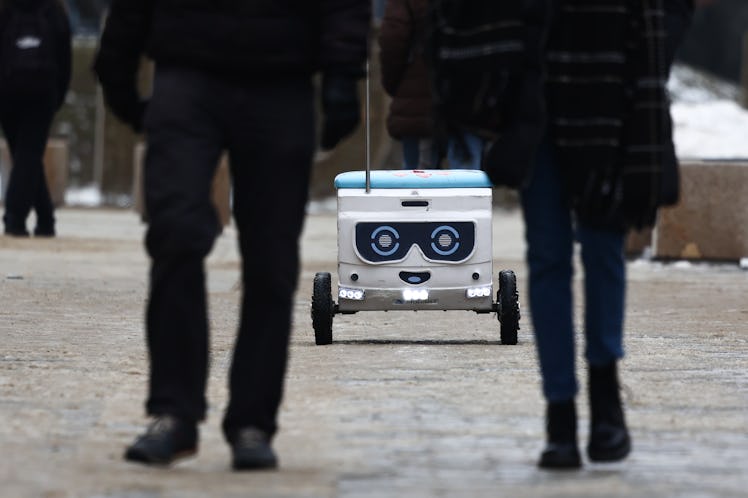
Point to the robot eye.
(445, 240)
(384, 240)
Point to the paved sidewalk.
(424, 404)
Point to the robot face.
(451, 242)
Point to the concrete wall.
(711, 220)
(709, 223)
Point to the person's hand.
(126, 105)
(139, 116)
(340, 107)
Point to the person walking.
(406, 78)
(607, 164)
(35, 71)
(237, 76)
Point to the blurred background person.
(406, 78)
(35, 69)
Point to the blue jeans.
(423, 153)
(420, 153)
(459, 160)
(551, 231)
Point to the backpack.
(485, 60)
(28, 55)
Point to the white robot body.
(417, 240)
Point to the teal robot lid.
(403, 178)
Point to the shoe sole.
(139, 457)
(609, 456)
(560, 465)
(255, 465)
(560, 460)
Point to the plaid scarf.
(608, 110)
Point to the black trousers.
(26, 121)
(267, 126)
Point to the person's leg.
(272, 142)
(549, 235)
(465, 152)
(605, 288)
(411, 152)
(428, 154)
(183, 126)
(29, 142)
(436, 155)
(9, 119)
(45, 210)
(184, 143)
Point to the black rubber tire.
(323, 308)
(508, 299)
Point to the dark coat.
(405, 74)
(58, 17)
(230, 38)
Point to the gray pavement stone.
(424, 404)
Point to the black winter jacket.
(233, 38)
(57, 16)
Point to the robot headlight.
(415, 294)
(351, 293)
(477, 292)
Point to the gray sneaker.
(166, 440)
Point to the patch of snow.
(687, 84)
(708, 122)
(327, 205)
(88, 196)
(682, 265)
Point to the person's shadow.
(417, 342)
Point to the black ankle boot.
(561, 451)
(609, 437)
(44, 230)
(14, 226)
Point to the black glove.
(127, 106)
(599, 202)
(340, 107)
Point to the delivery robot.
(414, 240)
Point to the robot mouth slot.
(414, 278)
(414, 203)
